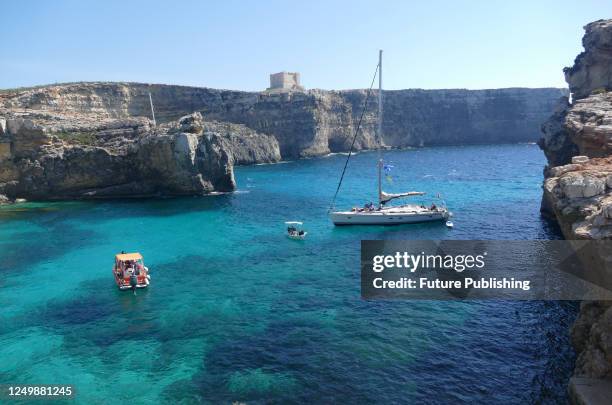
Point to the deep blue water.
(238, 312)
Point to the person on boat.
(368, 206)
(433, 207)
(139, 267)
(129, 267)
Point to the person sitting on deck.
(369, 206)
(433, 206)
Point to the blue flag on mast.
(387, 169)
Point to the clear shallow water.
(238, 312)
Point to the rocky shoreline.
(577, 141)
(96, 140)
(48, 156)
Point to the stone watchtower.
(285, 81)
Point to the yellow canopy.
(122, 257)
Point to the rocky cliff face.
(317, 122)
(578, 186)
(96, 139)
(44, 155)
(245, 146)
(592, 69)
(465, 116)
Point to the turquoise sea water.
(238, 312)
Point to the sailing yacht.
(382, 214)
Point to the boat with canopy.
(130, 272)
(295, 230)
(382, 214)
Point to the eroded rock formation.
(89, 140)
(67, 124)
(592, 69)
(578, 186)
(59, 156)
(317, 122)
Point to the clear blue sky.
(237, 44)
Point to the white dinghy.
(295, 230)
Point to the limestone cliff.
(49, 156)
(592, 69)
(578, 186)
(244, 145)
(459, 117)
(316, 122)
(92, 140)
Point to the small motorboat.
(295, 231)
(130, 272)
(449, 224)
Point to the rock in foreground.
(578, 188)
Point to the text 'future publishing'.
(458, 263)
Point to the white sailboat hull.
(407, 214)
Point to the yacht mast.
(380, 116)
(152, 110)
(380, 100)
(365, 108)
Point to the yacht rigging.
(381, 214)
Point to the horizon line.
(40, 86)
